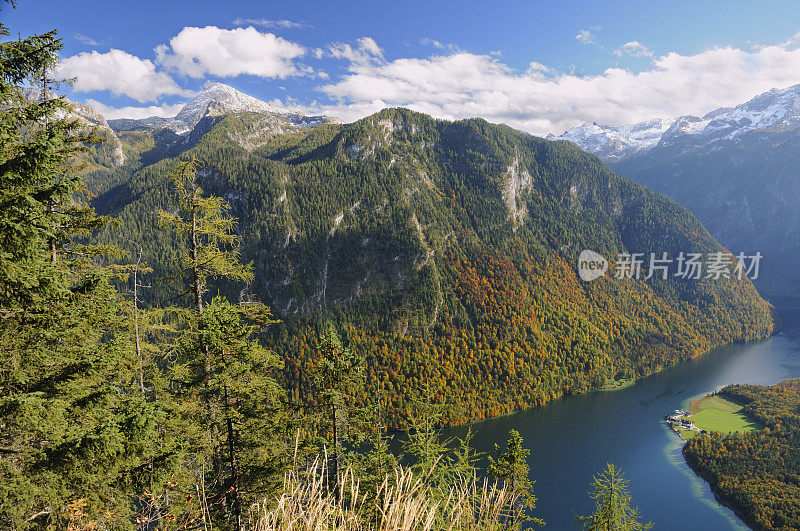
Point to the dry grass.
(402, 502)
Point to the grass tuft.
(402, 502)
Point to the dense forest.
(756, 473)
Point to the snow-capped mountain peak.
(611, 143)
(216, 99)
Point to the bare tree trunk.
(198, 300)
(198, 289)
(136, 321)
(235, 501)
(155, 510)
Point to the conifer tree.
(70, 419)
(339, 375)
(429, 452)
(377, 462)
(511, 467)
(613, 511)
(464, 458)
(220, 364)
(162, 485)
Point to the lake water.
(572, 439)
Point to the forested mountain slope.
(745, 191)
(447, 250)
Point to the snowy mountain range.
(612, 143)
(734, 168)
(217, 99)
(776, 110)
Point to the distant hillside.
(735, 168)
(446, 250)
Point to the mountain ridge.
(735, 168)
(776, 109)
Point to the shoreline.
(717, 495)
(718, 498)
(672, 427)
(619, 385)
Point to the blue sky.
(538, 66)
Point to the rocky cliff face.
(111, 152)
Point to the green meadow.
(714, 413)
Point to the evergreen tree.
(464, 458)
(162, 484)
(429, 452)
(220, 363)
(40, 184)
(374, 463)
(71, 420)
(511, 467)
(338, 377)
(613, 511)
(440, 462)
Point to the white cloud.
(369, 45)
(164, 110)
(85, 39)
(453, 84)
(634, 49)
(347, 113)
(450, 47)
(540, 101)
(197, 52)
(533, 66)
(120, 73)
(793, 41)
(271, 24)
(365, 52)
(585, 36)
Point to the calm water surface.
(572, 439)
